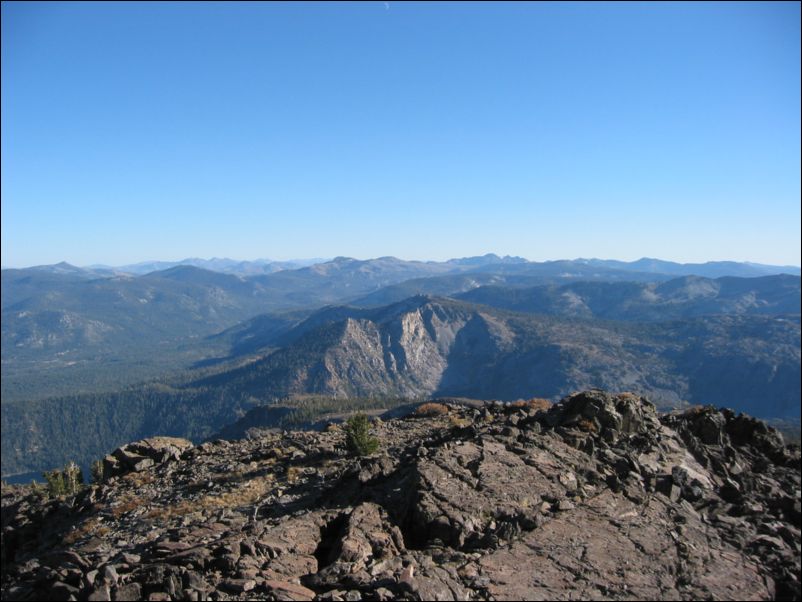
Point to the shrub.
(539, 403)
(294, 473)
(431, 409)
(358, 440)
(55, 482)
(458, 422)
(73, 477)
(97, 471)
(64, 482)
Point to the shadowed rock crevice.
(331, 534)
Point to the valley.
(92, 359)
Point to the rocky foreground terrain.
(598, 497)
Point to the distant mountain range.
(63, 327)
(711, 269)
(215, 264)
(490, 327)
(684, 297)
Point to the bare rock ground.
(597, 497)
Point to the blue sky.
(421, 130)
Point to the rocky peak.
(595, 497)
(610, 416)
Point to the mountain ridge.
(427, 346)
(70, 320)
(478, 351)
(261, 266)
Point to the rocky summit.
(596, 497)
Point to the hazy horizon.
(101, 264)
(423, 131)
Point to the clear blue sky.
(426, 131)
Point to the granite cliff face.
(598, 497)
(425, 346)
(417, 348)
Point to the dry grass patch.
(431, 409)
(245, 495)
(138, 479)
(127, 504)
(458, 421)
(538, 403)
(248, 493)
(164, 513)
(89, 527)
(294, 473)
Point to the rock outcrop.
(598, 497)
(143, 454)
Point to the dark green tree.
(55, 482)
(358, 440)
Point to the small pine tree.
(97, 471)
(55, 482)
(358, 440)
(73, 478)
(64, 482)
